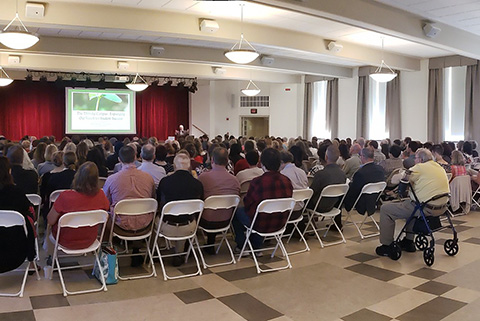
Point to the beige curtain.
(435, 106)
(362, 105)
(307, 128)
(472, 102)
(332, 107)
(393, 118)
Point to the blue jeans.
(240, 220)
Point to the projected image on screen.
(94, 111)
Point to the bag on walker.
(108, 266)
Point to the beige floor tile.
(216, 285)
(401, 303)
(462, 294)
(327, 292)
(14, 304)
(408, 281)
(160, 307)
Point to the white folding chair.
(336, 192)
(299, 195)
(54, 195)
(279, 206)
(179, 208)
(243, 190)
(219, 202)
(10, 219)
(368, 189)
(477, 192)
(460, 191)
(74, 220)
(134, 207)
(36, 200)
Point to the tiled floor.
(343, 282)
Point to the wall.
(347, 106)
(286, 107)
(414, 102)
(200, 110)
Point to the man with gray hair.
(180, 185)
(368, 173)
(427, 179)
(354, 162)
(148, 156)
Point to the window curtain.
(332, 107)
(362, 105)
(472, 102)
(435, 106)
(393, 119)
(38, 108)
(307, 132)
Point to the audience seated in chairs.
(84, 196)
(217, 181)
(428, 179)
(180, 185)
(26, 180)
(13, 198)
(270, 185)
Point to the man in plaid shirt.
(270, 185)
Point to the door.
(255, 126)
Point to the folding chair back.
(77, 220)
(54, 195)
(185, 207)
(14, 245)
(227, 203)
(101, 181)
(136, 206)
(277, 212)
(302, 195)
(35, 199)
(370, 189)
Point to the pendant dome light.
(5, 80)
(251, 89)
(17, 37)
(383, 73)
(239, 54)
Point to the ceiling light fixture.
(239, 54)
(5, 80)
(138, 83)
(383, 73)
(251, 89)
(19, 37)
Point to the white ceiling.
(462, 14)
(255, 13)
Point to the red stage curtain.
(38, 108)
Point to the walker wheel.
(396, 252)
(421, 242)
(450, 247)
(428, 256)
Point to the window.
(454, 103)
(376, 110)
(318, 111)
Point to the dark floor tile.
(473, 240)
(427, 273)
(240, 274)
(249, 308)
(266, 259)
(18, 316)
(433, 310)
(462, 228)
(361, 257)
(374, 272)
(48, 301)
(434, 287)
(192, 269)
(193, 295)
(366, 315)
(458, 222)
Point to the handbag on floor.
(108, 266)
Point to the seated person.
(26, 180)
(458, 165)
(251, 172)
(96, 156)
(180, 185)
(85, 196)
(394, 161)
(48, 165)
(270, 185)
(13, 198)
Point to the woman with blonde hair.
(458, 164)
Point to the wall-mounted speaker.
(430, 30)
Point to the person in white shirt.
(252, 172)
(297, 176)
(148, 155)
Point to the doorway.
(255, 126)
